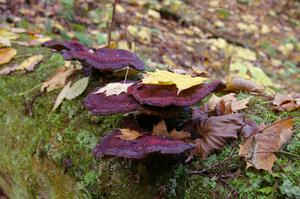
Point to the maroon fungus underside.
(111, 145)
(100, 104)
(65, 45)
(106, 59)
(166, 95)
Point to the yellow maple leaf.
(182, 82)
(6, 54)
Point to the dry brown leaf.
(6, 54)
(59, 79)
(215, 132)
(160, 129)
(286, 102)
(239, 105)
(241, 84)
(227, 104)
(258, 150)
(29, 63)
(180, 135)
(128, 134)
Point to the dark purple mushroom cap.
(111, 145)
(166, 95)
(65, 45)
(106, 59)
(100, 104)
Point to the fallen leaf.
(241, 68)
(128, 134)
(241, 84)
(59, 79)
(239, 105)
(29, 63)
(77, 88)
(61, 96)
(6, 54)
(226, 104)
(215, 132)
(162, 77)
(259, 76)
(8, 70)
(142, 33)
(180, 135)
(286, 102)
(258, 150)
(160, 129)
(6, 36)
(114, 88)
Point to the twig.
(32, 89)
(212, 166)
(112, 22)
(127, 70)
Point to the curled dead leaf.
(258, 150)
(241, 84)
(180, 135)
(128, 134)
(286, 102)
(213, 133)
(226, 104)
(59, 79)
(160, 129)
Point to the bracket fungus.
(65, 45)
(112, 145)
(102, 59)
(167, 95)
(106, 59)
(100, 104)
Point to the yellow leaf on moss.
(259, 76)
(5, 33)
(182, 82)
(6, 54)
(29, 63)
(142, 33)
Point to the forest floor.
(48, 155)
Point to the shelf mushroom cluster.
(164, 101)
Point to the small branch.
(112, 22)
(212, 166)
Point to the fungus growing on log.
(106, 59)
(112, 145)
(65, 45)
(102, 59)
(167, 95)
